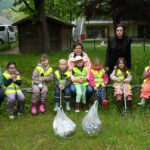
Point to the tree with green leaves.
(118, 9)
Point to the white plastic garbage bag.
(91, 122)
(63, 125)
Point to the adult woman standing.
(78, 51)
(119, 46)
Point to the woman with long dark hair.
(118, 46)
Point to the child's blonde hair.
(96, 62)
(62, 60)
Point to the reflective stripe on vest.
(67, 75)
(80, 74)
(98, 77)
(12, 88)
(146, 69)
(120, 75)
(44, 72)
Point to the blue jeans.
(100, 94)
(65, 92)
(89, 91)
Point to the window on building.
(2, 28)
(97, 32)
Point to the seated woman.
(78, 51)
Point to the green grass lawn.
(4, 47)
(36, 133)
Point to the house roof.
(4, 20)
(56, 20)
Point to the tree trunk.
(43, 36)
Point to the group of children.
(79, 75)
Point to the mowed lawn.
(36, 133)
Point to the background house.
(103, 28)
(4, 21)
(60, 35)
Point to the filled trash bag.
(91, 122)
(63, 125)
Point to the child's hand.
(41, 78)
(95, 89)
(61, 86)
(14, 78)
(83, 79)
(78, 80)
(126, 80)
(106, 82)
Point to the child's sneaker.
(77, 110)
(142, 103)
(56, 107)
(77, 107)
(85, 108)
(68, 106)
(105, 103)
(11, 117)
(19, 114)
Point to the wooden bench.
(29, 90)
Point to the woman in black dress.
(119, 46)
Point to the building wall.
(131, 28)
(54, 36)
(59, 37)
(27, 36)
(66, 36)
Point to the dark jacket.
(68, 81)
(117, 48)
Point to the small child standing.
(12, 82)
(122, 78)
(40, 78)
(62, 80)
(145, 90)
(98, 79)
(80, 80)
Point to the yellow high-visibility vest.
(80, 74)
(120, 75)
(67, 73)
(44, 72)
(98, 77)
(12, 88)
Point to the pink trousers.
(120, 89)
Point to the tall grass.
(36, 133)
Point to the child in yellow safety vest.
(145, 90)
(79, 78)
(12, 82)
(98, 79)
(62, 80)
(122, 78)
(40, 78)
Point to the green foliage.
(64, 9)
(118, 10)
(6, 46)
